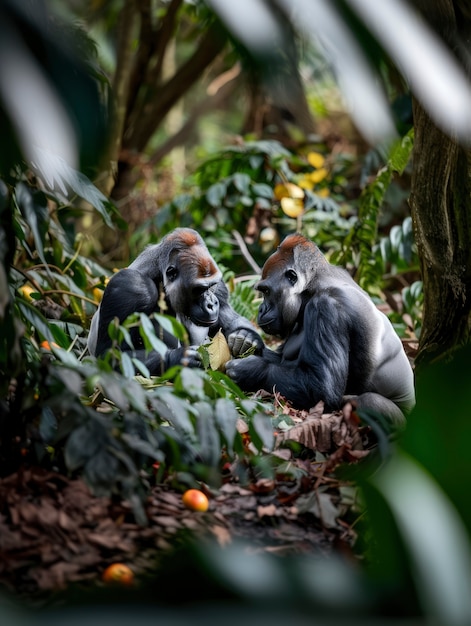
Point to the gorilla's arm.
(312, 364)
(129, 292)
(239, 332)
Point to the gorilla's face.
(190, 280)
(282, 300)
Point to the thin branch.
(145, 50)
(120, 95)
(245, 252)
(219, 90)
(151, 53)
(165, 33)
(156, 109)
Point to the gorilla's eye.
(171, 273)
(198, 291)
(291, 276)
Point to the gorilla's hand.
(242, 340)
(190, 357)
(250, 371)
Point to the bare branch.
(219, 90)
(121, 81)
(155, 109)
(245, 252)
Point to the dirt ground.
(54, 532)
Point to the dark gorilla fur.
(180, 268)
(338, 346)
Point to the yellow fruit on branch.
(292, 207)
(288, 190)
(316, 160)
(319, 175)
(26, 291)
(97, 294)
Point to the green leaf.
(395, 235)
(215, 194)
(47, 425)
(246, 201)
(60, 337)
(434, 536)
(83, 443)
(137, 396)
(264, 428)
(113, 389)
(263, 190)
(32, 316)
(208, 436)
(126, 365)
(385, 247)
(33, 207)
(190, 382)
(263, 203)
(242, 183)
(171, 325)
(226, 419)
(230, 385)
(256, 161)
(126, 335)
(407, 227)
(151, 340)
(140, 367)
(142, 446)
(401, 152)
(175, 410)
(101, 472)
(416, 289)
(204, 354)
(65, 178)
(67, 358)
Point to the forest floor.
(55, 534)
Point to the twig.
(245, 252)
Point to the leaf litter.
(54, 532)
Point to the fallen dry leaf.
(218, 351)
(223, 536)
(267, 511)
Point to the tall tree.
(142, 93)
(145, 88)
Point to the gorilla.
(338, 347)
(180, 269)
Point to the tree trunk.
(125, 36)
(156, 104)
(441, 212)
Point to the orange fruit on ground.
(47, 346)
(195, 500)
(118, 573)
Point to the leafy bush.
(65, 409)
(236, 190)
(124, 430)
(360, 246)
